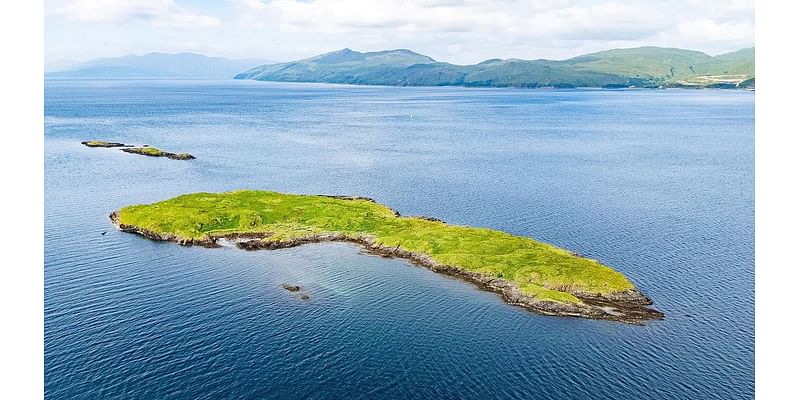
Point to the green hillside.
(343, 66)
(644, 62)
(635, 67)
(735, 69)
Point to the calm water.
(658, 184)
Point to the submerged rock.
(291, 288)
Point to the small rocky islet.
(144, 150)
(533, 275)
(296, 289)
(102, 143)
(155, 152)
(291, 288)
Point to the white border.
(777, 170)
(777, 181)
(22, 201)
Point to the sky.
(456, 31)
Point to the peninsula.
(534, 275)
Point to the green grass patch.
(101, 143)
(539, 269)
(148, 151)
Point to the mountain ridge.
(647, 66)
(156, 65)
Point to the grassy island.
(535, 275)
(155, 152)
(101, 143)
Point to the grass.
(148, 151)
(155, 152)
(539, 269)
(96, 143)
(101, 143)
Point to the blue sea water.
(658, 184)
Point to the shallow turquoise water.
(658, 184)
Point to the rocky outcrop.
(291, 288)
(205, 242)
(151, 152)
(144, 150)
(296, 289)
(179, 156)
(100, 143)
(629, 306)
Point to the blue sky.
(457, 31)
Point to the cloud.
(459, 31)
(164, 13)
(708, 29)
(579, 20)
(469, 30)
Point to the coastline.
(688, 88)
(629, 307)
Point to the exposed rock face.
(179, 156)
(629, 306)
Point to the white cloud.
(708, 29)
(158, 12)
(551, 26)
(460, 31)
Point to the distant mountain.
(343, 66)
(156, 65)
(637, 67)
(59, 65)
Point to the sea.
(658, 184)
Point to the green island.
(155, 152)
(102, 143)
(535, 275)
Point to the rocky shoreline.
(629, 307)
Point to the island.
(155, 152)
(101, 143)
(524, 272)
